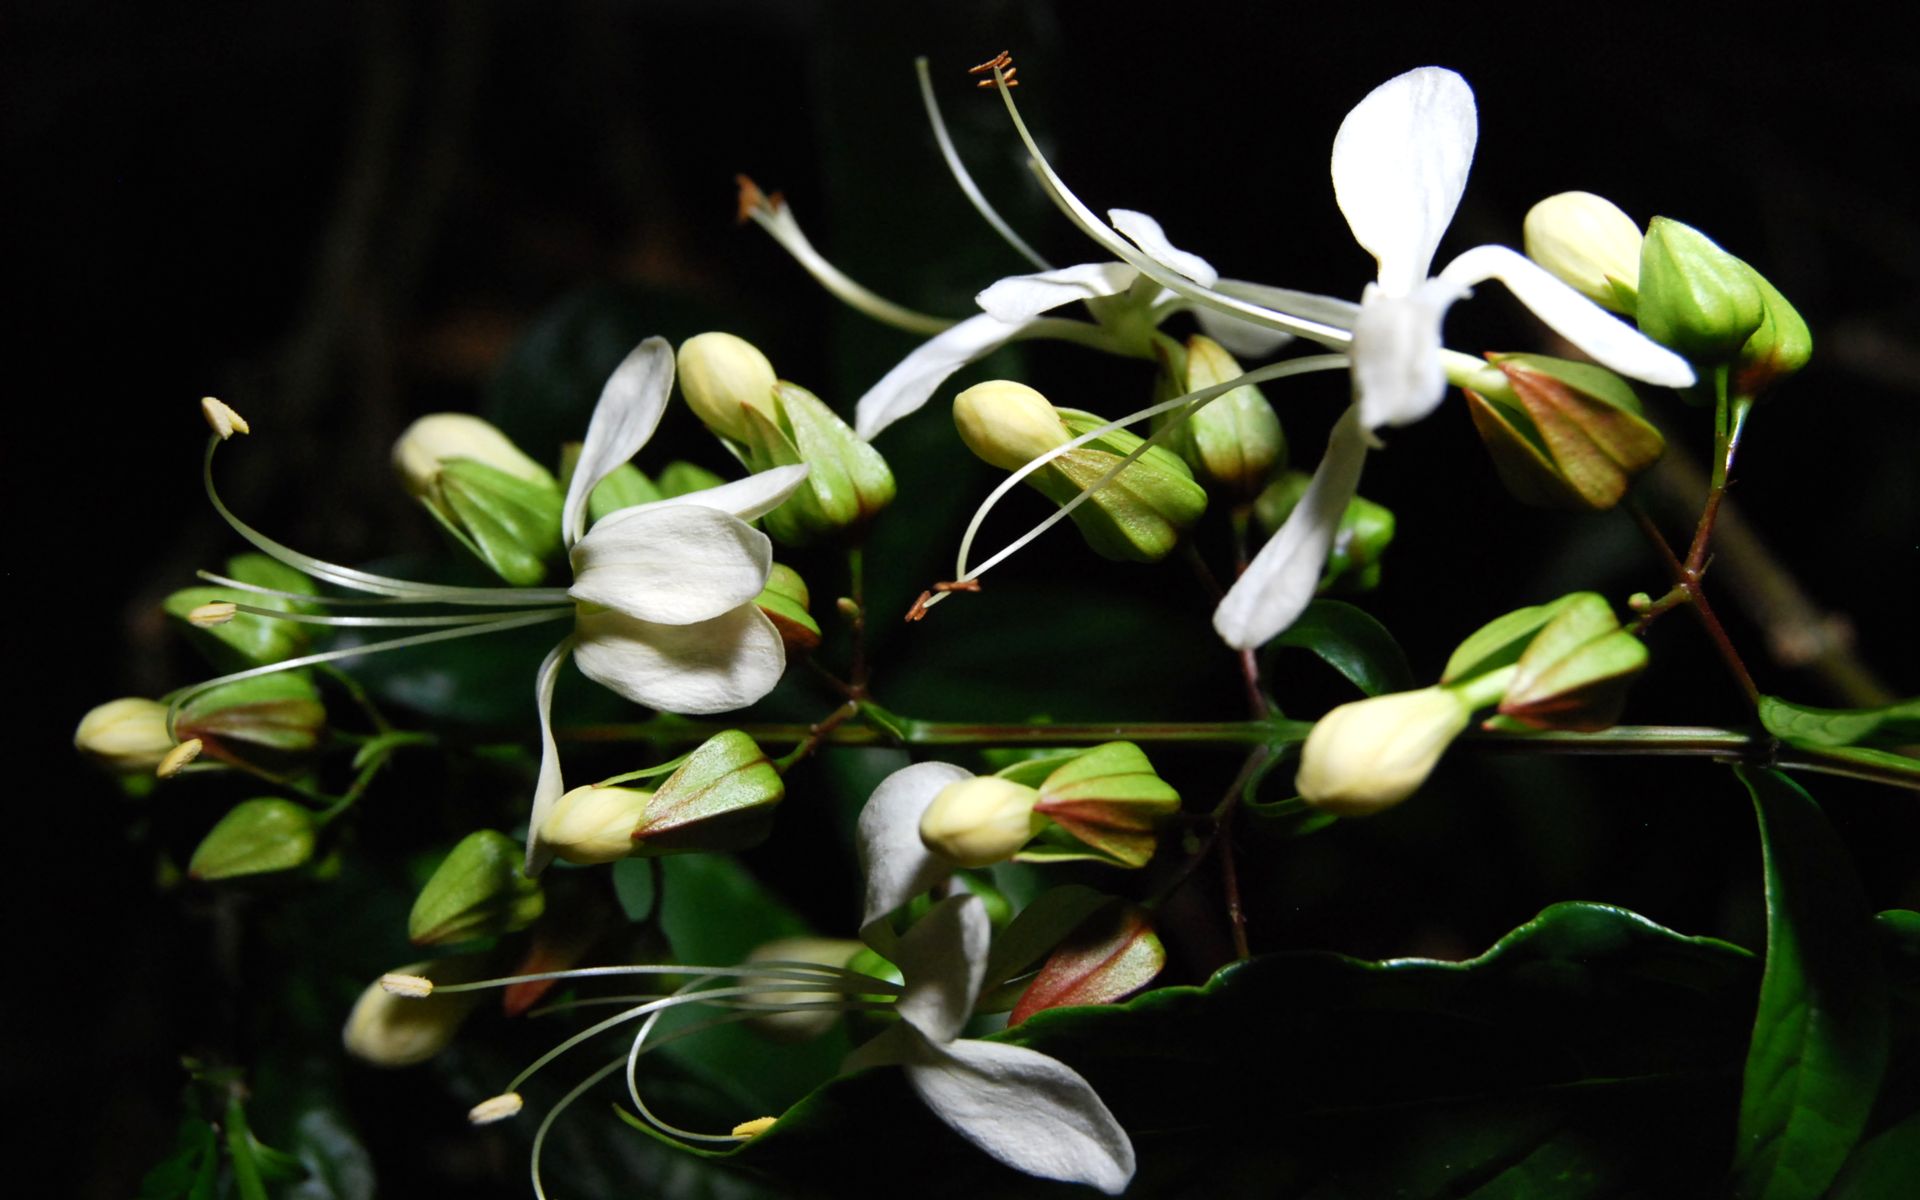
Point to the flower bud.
(847, 479)
(980, 821)
(784, 600)
(280, 712)
(1007, 424)
(247, 639)
(1587, 243)
(1694, 296)
(1779, 348)
(1359, 542)
(477, 891)
(1575, 672)
(256, 837)
(1106, 804)
(1367, 756)
(1139, 515)
(594, 824)
(721, 798)
(805, 1024)
(721, 376)
(1575, 441)
(128, 734)
(1235, 440)
(392, 1030)
(491, 497)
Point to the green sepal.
(260, 570)
(1110, 799)
(1035, 931)
(721, 798)
(1359, 541)
(1501, 641)
(512, 524)
(1139, 515)
(1235, 440)
(255, 837)
(847, 479)
(784, 600)
(1111, 956)
(682, 478)
(625, 486)
(1896, 724)
(1577, 438)
(1575, 672)
(248, 640)
(477, 891)
(281, 711)
(1694, 296)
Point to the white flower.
(1030, 1111)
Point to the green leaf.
(1803, 725)
(1352, 643)
(1588, 1050)
(1820, 1038)
(1885, 1167)
(189, 1172)
(633, 887)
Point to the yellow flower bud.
(806, 1023)
(437, 437)
(721, 373)
(1371, 754)
(594, 824)
(1007, 424)
(1589, 244)
(981, 821)
(128, 734)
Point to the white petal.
(1145, 232)
(942, 959)
(1281, 579)
(1020, 298)
(629, 409)
(893, 1046)
(916, 377)
(896, 864)
(1400, 162)
(1610, 341)
(754, 496)
(548, 787)
(709, 667)
(1032, 1112)
(674, 565)
(1398, 377)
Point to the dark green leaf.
(1820, 1037)
(1885, 1167)
(633, 885)
(187, 1173)
(1803, 725)
(1353, 644)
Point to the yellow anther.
(495, 1108)
(178, 758)
(216, 612)
(754, 1128)
(222, 418)
(414, 987)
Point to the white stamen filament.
(451, 619)
(778, 221)
(961, 176)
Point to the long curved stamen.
(367, 581)
(449, 619)
(1191, 403)
(817, 975)
(773, 215)
(1126, 252)
(254, 589)
(497, 625)
(961, 176)
(553, 1114)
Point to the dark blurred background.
(339, 216)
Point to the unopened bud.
(806, 1023)
(399, 1027)
(255, 838)
(128, 734)
(421, 453)
(784, 600)
(1576, 438)
(175, 760)
(222, 419)
(496, 1108)
(1007, 424)
(594, 824)
(1139, 514)
(980, 821)
(1575, 672)
(1233, 442)
(1779, 348)
(721, 798)
(722, 376)
(1694, 296)
(280, 712)
(479, 890)
(1106, 804)
(490, 496)
(1590, 245)
(1367, 756)
(1360, 540)
(847, 480)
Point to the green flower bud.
(784, 600)
(1694, 296)
(1359, 543)
(1501, 641)
(684, 478)
(486, 493)
(390, 1027)
(980, 821)
(128, 734)
(805, 1024)
(594, 824)
(1576, 439)
(721, 798)
(280, 712)
(1575, 671)
(1367, 756)
(722, 376)
(1234, 441)
(256, 837)
(1007, 424)
(236, 640)
(847, 479)
(1779, 348)
(1111, 801)
(477, 891)
(1587, 243)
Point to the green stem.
(246, 1170)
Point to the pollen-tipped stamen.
(961, 176)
